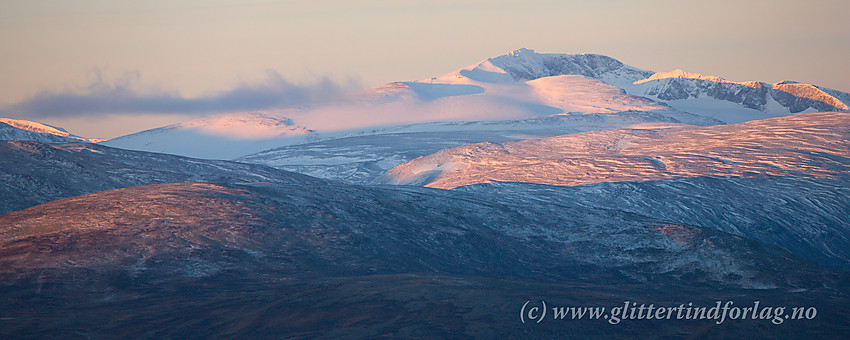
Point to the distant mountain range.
(517, 86)
(520, 95)
(441, 209)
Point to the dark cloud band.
(101, 98)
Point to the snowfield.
(806, 144)
(521, 86)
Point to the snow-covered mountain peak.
(525, 64)
(523, 52)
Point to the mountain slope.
(810, 144)
(33, 173)
(16, 129)
(172, 254)
(783, 181)
(806, 216)
(362, 157)
(301, 229)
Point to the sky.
(105, 68)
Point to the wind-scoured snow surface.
(803, 145)
(17, 129)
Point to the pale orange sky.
(197, 48)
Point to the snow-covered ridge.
(246, 126)
(35, 127)
(33, 173)
(18, 129)
(679, 73)
(224, 136)
(804, 91)
(681, 89)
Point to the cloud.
(125, 96)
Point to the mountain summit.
(525, 64)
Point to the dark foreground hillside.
(301, 260)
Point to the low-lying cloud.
(126, 97)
